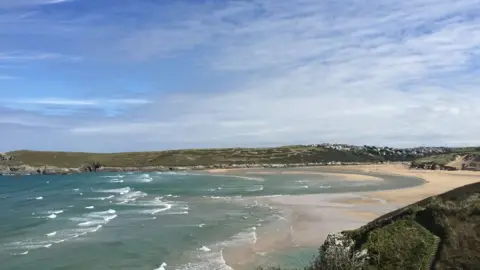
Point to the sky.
(137, 75)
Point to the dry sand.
(308, 219)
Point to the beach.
(307, 219)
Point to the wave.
(209, 260)
(204, 248)
(113, 176)
(161, 267)
(238, 176)
(254, 188)
(52, 216)
(56, 212)
(248, 236)
(130, 197)
(145, 178)
(96, 218)
(101, 198)
(51, 234)
(158, 210)
(116, 180)
(120, 191)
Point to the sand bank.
(344, 176)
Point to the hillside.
(190, 157)
(440, 232)
(462, 159)
(51, 162)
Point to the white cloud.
(396, 73)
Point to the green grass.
(189, 157)
(442, 159)
(403, 244)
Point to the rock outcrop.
(5, 157)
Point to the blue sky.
(124, 75)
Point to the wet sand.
(306, 220)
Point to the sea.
(146, 221)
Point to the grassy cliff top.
(190, 157)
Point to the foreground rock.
(441, 232)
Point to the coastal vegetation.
(440, 232)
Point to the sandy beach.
(307, 219)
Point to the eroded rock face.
(337, 252)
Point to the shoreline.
(6, 170)
(308, 219)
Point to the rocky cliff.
(440, 232)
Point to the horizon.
(223, 148)
(123, 76)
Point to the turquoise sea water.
(143, 220)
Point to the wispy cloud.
(19, 56)
(27, 3)
(8, 77)
(80, 102)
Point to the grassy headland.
(298, 154)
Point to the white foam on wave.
(201, 225)
(113, 176)
(51, 234)
(255, 188)
(56, 212)
(166, 207)
(47, 245)
(76, 189)
(145, 178)
(90, 207)
(248, 236)
(204, 248)
(101, 198)
(120, 191)
(39, 198)
(130, 197)
(178, 213)
(208, 260)
(96, 218)
(116, 180)
(161, 267)
(52, 216)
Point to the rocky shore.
(92, 168)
